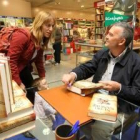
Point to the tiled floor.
(54, 73)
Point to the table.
(71, 106)
(74, 107)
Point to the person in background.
(118, 68)
(57, 44)
(1, 24)
(137, 31)
(89, 34)
(26, 46)
(76, 34)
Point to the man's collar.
(119, 57)
(124, 58)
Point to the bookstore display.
(15, 21)
(99, 22)
(17, 114)
(103, 107)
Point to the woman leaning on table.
(27, 46)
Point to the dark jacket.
(126, 72)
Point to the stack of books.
(16, 111)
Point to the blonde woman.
(26, 46)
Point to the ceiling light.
(82, 6)
(57, 3)
(5, 2)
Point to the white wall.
(66, 14)
(18, 8)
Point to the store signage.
(98, 4)
(111, 18)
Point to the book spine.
(3, 113)
(5, 126)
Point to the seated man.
(118, 68)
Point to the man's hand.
(110, 85)
(68, 79)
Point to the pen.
(74, 129)
(69, 85)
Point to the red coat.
(21, 51)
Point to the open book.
(103, 107)
(84, 87)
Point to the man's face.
(47, 28)
(113, 38)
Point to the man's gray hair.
(127, 32)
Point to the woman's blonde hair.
(36, 28)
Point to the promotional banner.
(111, 18)
(119, 10)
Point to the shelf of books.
(15, 21)
(16, 111)
(99, 22)
(81, 24)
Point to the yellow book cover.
(103, 107)
(5, 61)
(21, 102)
(84, 87)
(17, 90)
(4, 93)
(10, 124)
(2, 103)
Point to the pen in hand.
(69, 85)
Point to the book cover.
(5, 61)
(2, 102)
(84, 87)
(82, 92)
(17, 90)
(17, 130)
(10, 124)
(21, 102)
(103, 107)
(5, 100)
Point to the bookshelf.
(81, 24)
(15, 21)
(99, 22)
